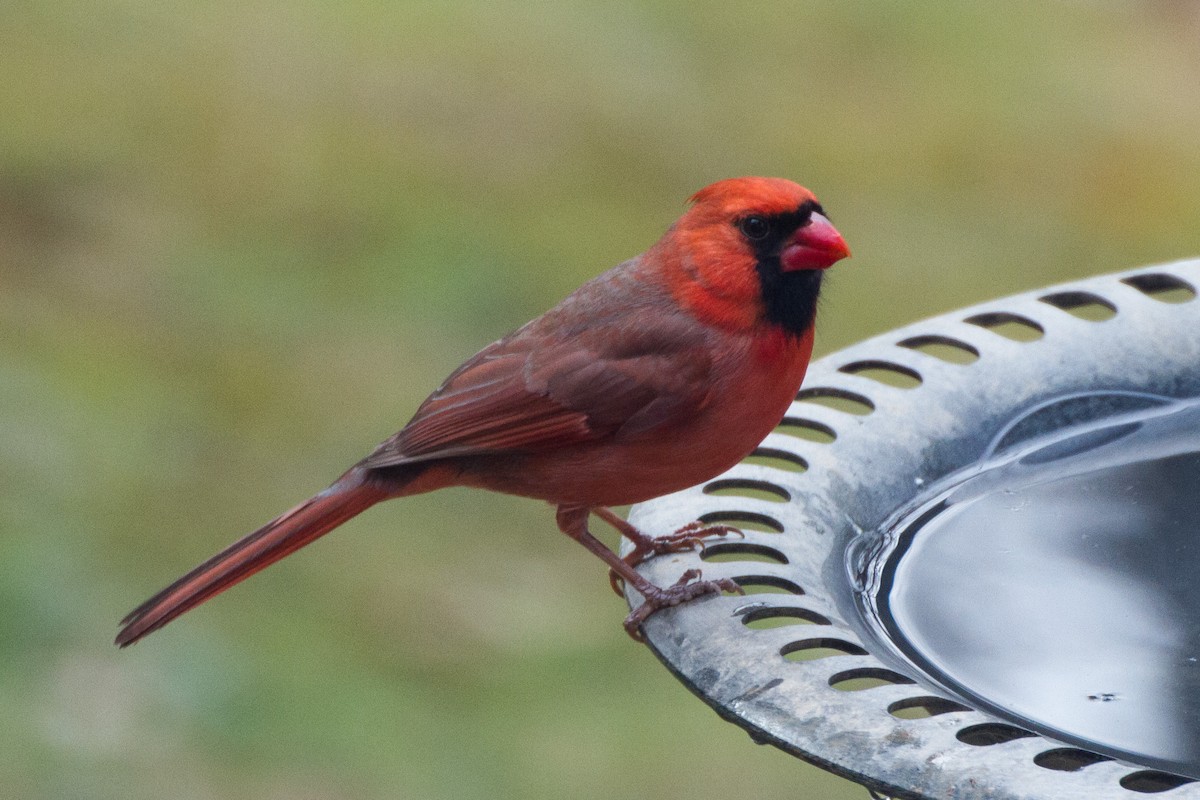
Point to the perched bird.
(657, 375)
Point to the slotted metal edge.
(878, 461)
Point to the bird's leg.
(572, 520)
(689, 537)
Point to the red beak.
(817, 245)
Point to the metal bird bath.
(904, 625)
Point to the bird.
(657, 375)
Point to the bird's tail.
(285, 534)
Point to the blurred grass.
(240, 243)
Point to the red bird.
(659, 374)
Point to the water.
(1058, 586)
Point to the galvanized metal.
(883, 443)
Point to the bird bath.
(969, 554)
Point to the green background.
(239, 243)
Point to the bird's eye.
(755, 228)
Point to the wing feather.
(570, 377)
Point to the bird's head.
(751, 252)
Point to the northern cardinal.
(657, 375)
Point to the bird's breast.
(757, 388)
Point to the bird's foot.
(688, 587)
(689, 537)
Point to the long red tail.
(287, 533)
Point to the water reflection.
(1058, 587)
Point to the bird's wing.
(558, 382)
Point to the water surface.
(1059, 586)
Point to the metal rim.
(873, 424)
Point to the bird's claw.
(616, 582)
(689, 537)
(705, 529)
(687, 588)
